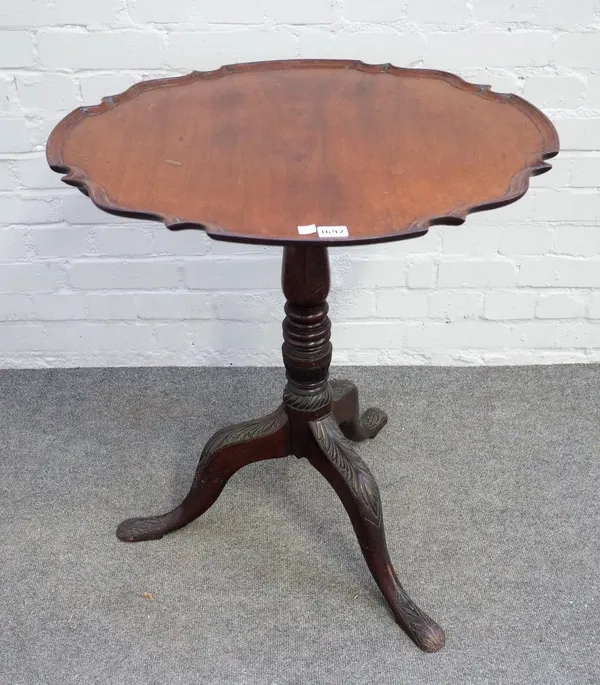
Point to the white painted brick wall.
(518, 285)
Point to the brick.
(577, 240)
(500, 80)
(235, 335)
(533, 335)
(593, 91)
(16, 278)
(594, 312)
(116, 241)
(74, 12)
(114, 275)
(192, 50)
(492, 10)
(402, 49)
(559, 92)
(185, 243)
(60, 242)
(553, 334)
(476, 274)
(34, 173)
(349, 304)
(501, 305)
(560, 14)
(72, 49)
(525, 357)
(401, 304)
(436, 12)
(239, 306)
(560, 272)
(12, 244)
(577, 133)
(24, 14)
(41, 126)
(372, 335)
(566, 205)
(48, 92)
(265, 45)
(375, 47)
(80, 337)
(584, 334)
(370, 273)
(110, 306)
(346, 354)
(558, 177)
(454, 305)
(14, 135)
(470, 239)
(585, 172)
(235, 12)
(7, 176)
(459, 335)
(373, 11)
(78, 209)
(19, 210)
(175, 337)
(230, 274)
(176, 305)
(320, 44)
(515, 212)
(501, 49)
(428, 244)
(96, 86)
(21, 337)
(16, 307)
(525, 239)
(8, 95)
(560, 306)
(235, 249)
(16, 49)
(421, 275)
(59, 306)
(578, 50)
(305, 12)
(398, 249)
(157, 11)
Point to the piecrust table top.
(328, 151)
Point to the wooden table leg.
(354, 425)
(355, 485)
(225, 453)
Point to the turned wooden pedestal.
(319, 420)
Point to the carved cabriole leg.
(225, 453)
(334, 457)
(314, 406)
(346, 411)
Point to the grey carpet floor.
(489, 479)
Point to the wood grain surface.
(252, 151)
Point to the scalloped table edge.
(518, 186)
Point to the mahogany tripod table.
(304, 154)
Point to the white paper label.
(307, 230)
(332, 231)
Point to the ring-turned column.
(306, 331)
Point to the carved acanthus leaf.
(349, 465)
